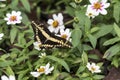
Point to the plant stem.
(68, 22)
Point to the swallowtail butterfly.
(47, 39)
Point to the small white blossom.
(42, 55)
(56, 23)
(93, 68)
(65, 34)
(7, 78)
(99, 6)
(13, 17)
(37, 45)
(42, 70)
(1, 35)
(90, 13)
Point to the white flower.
(56, 23)
(1, 35)
(93, 68)
(65, 34)
(7, 78)
(13, 18)
(90, 13)
(42, 70)
(37, 45)
(42, 55)
(98, 6)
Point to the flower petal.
(1, 34)
(6, 19)
(51, 29)
(18, 13)
(62, 31)
(4, 77)
(49, 70)
(11, 77)
(47, 66)
(104, 12)
(93, 1)
(55, 17)
(106, 5)
(60, 16)
(35, 74)
(103, 1)
(50, 21)
(57, 30)
(8, 14)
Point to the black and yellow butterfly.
(47, 39)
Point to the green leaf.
(85, 75)
(25, 20)
(94, 29)
(104, 30)
(5, 63)
(80, 69)
(84, 58)
(14, 4)
(87, 24)
(112, 51)
(60, 61)
(117, 29)
(81, 17)
(93, 56)
(22, 74)
(3, 57)
(116, 12)
(111, 41)
(115, 61)
(21, 39)
(26, 4)
(87, 47)
(9, 71)
(20, 59)
(70, 10)
(38, 11)
(29, 43)
(93, 40)
(76, 36)
(73, 4)
(98, 77)
(13, 34)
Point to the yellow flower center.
(41, 69)
(64, 36)
(90, 14)
(13, 18)
(93, 69)
(55, 24)
(97, 5)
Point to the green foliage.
(26, 4)
(60, 61)
(76, 35)
(92, 40)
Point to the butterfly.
(46, 39)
